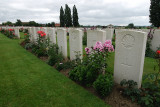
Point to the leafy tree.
(8, 23)
(52, 24)
(62, 19)
(33, 23)
(75, 17)
(18, 23)
(155, 13)
(68, 18)
(131, 25)
(48, 25)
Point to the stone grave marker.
(62, 41)
(75, 41)
(129, 56)
(94, 36)
(155, 43)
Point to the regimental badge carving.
(128, 41)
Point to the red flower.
(158, 52)
(25, 34)
(10, 29)
(44, 34)
(41, 33)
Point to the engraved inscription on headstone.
(128, 41)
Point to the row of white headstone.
(16, 30)
(129, 52)
(75, 38)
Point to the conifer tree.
(75, 17)
(155, 13)
(68, 18)
(62, 19)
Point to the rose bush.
(93, 63)
(10, 33)
(40, 48)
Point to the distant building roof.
(57, 25)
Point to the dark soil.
(65, 72)
(116, 99)
(44, 58)
(22, 43)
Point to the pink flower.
(108, 42)
(98, 46)
(87, 50)
(108, 46)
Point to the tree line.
(30, 23)
(68, 20)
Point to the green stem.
(158, 72)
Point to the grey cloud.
(91, 12)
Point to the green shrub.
(86, 75)
(149, 52)
(25, 30)
(54, 59)
(59, 66)
(69, 64)
(147, 96)
(39, 51)
(104, 84)
(130, 90)
(21, 30)
(28, 45)
(54, 55)
(27, 38)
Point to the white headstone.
(52, 35)
(34, 34)
(146, 30)
(30, 33)
(75, 43)
(109, 34)
(94, 36)
(129, 56)
(155, 43)
(62, 41)
(16, 29)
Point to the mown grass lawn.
(27, 81)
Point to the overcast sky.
(90, 12)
